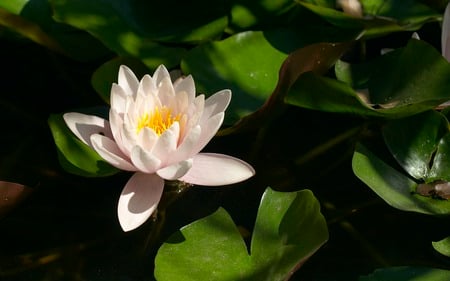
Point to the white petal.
(186, 148)
(160, 73)
(144, 161)
(215, 104)
(175, 171)
(209, 130)
(147, 138)
(146, 86)
(139, 199)
(185, 85)
(167, 143)
(182, 103)
(83, 126)
(118, 98)
(128, 81)
(129, 136)
(445, 35)
(109, 151)
(217, 169)
(116, 124)
(166, 93)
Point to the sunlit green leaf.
(33, 20)
(14, 6)
(248, 63)
(189, 22)
(408, 273)
(289, 229)
(75, 156)
(112, 23)
(393, 186)
(443, 246)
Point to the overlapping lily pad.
(114, 24)
(288, 230)
(33, 20)
(380, 17)
(422, 85)
(394, 186)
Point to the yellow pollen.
(159, 120)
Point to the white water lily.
(157, 129)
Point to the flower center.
(159, 120)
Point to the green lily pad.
(422, 86)
(248, 63)
(189, 22)
(421, 145)
(424, 77)
(289, 229)
(358, 75)
(75, 156)
(413, 141)
(248, 13)
(381, 17)
(14, 6)
(393, 186)
(442, 246)
(33, 20)
(440, 169)
(317, 92)
(113, 23)
(408, 273)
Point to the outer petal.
(445, 36)
(209, 130)
(217, 169)
(116, 124)
(139, 199)
(83, 126)
(118, 98)
(128, 81)
(215, 104)
(160, 73)
(109, 151)
(175, 171)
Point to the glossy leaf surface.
(289, 229)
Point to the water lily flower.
(156, 129)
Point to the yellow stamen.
(159, 120)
